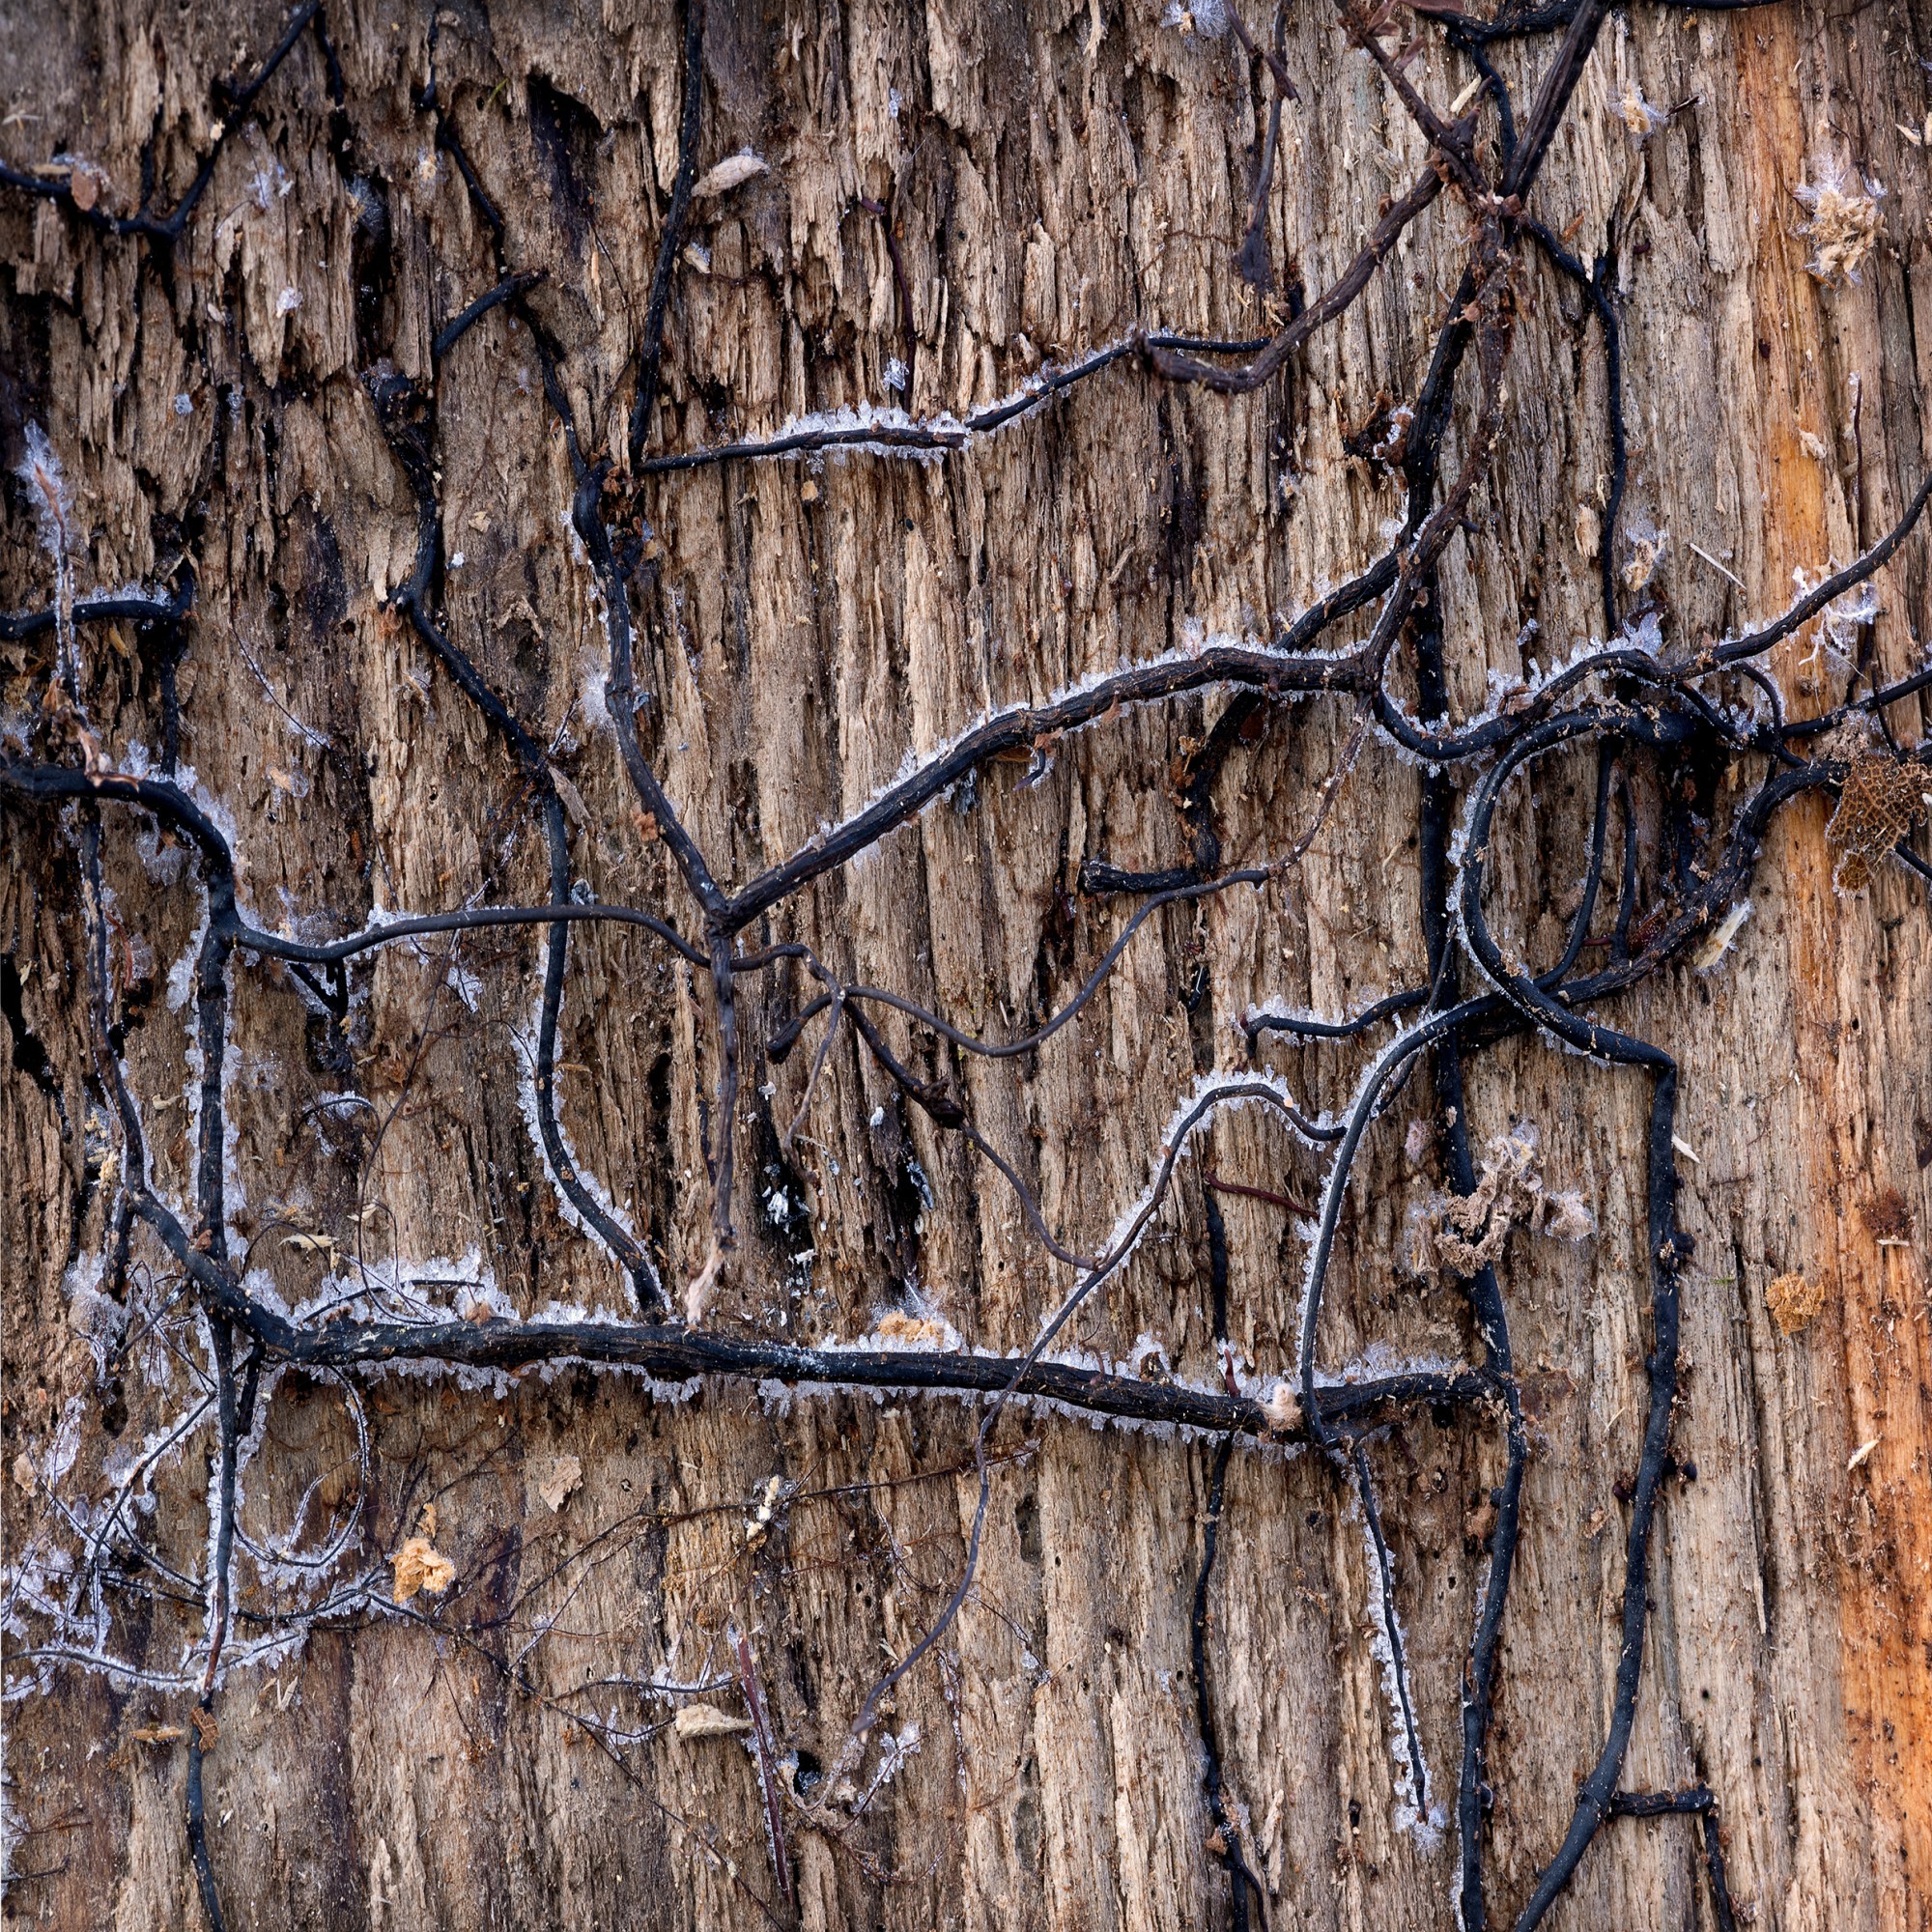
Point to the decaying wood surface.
(1052, 179)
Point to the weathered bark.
(1050, 182)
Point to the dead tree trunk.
(802, 807)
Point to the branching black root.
(1628, 699)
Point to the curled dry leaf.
(421, 1566)
(1844, 221)
(707, 1721)
(730, 173)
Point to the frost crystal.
(1207, 18)
(1855, 612)
(53, 506)
(47, 491)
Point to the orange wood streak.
(1854, 1130)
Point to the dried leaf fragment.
(1455, 1236)
(562, 1475)
(1794, 1302)
(1845, 222)
(421, 1566)
(895, 1325)
(730, 173)
(1282, 1409)
(85, 178)
(1637, 115)
(1879, 805)
(707, 1721)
